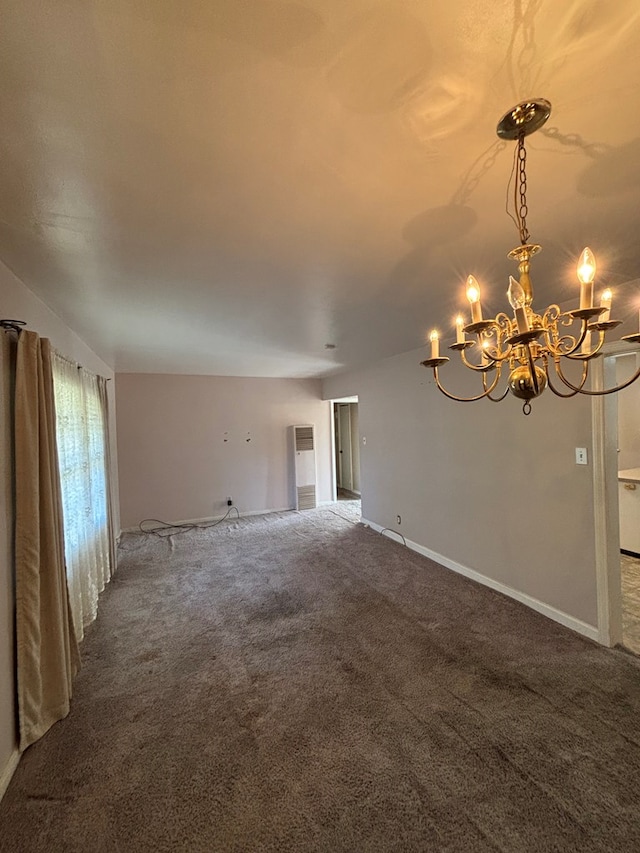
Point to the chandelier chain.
(521, 192)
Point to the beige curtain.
(47, 652)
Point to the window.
(81, 441)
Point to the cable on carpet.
(391, 530)
(165, 529)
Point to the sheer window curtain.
(104, 405)
(83, 442)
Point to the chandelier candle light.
(529, 342)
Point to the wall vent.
(306, 497)
(304, 461)
(304, 438)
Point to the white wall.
(18, 302)
(183, 444)
(480, 483)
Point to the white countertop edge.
(629, 475)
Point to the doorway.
(346, 456)
(616, 449)
(628, 453)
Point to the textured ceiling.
(225, 187)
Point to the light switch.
(581, 455)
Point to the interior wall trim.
(604, 418)
(8, 771)
(590, 631)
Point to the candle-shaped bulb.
(435, 344)
(515, 294)
(459, 329)
(473, 295)
(586, 273)
(473, 290)
(586, 266)
(605, 302)
(516, 297)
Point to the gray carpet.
(299, 683)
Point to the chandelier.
(532, 347)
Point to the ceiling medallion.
(528, 343)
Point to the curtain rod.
(73, 363)
(12, 325)
(16, 326)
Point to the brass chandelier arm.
(571, 344)
(602, 393)
(532, 370)
(585, 373)
(591, 354)
(488, 390)
(505, 330)
(466, 399)
(499, 356)
(567, 345)
(557, 343)
(482, 368)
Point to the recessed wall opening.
(628, 471)
(616, 446)
(346, 450)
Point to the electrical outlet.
(398, 519)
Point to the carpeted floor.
(299, 683)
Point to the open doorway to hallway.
(346, 455)
(630, 578)
(628, 453)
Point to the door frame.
(344, 453)
(604, 419)
(332, 449)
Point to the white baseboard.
(9, 770)
(559, 616)
(212, 518)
